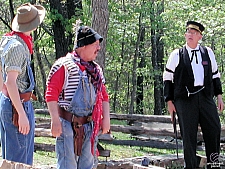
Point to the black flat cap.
(195, 25)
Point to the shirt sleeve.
(15, 59)
(168, 75)
(212, 57)
(55, 85)
(171, 65)
(216, 75)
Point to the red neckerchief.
(97, 118)
(27, 39)
(97, 111)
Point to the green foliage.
(121, 46)
(123, 30)
(126, 18)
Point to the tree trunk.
(63, 11)
(61, 44)
(41, 68)
(157, 58)
(140, 77)
(134, 73)
(116, 88)
(100, 21)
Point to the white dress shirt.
(197, 66)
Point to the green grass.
(117, 151)
(46, 140)
(44, 157)
(120, 152)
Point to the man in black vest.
(191, 80)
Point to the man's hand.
(24, 126)
(220, 103)
(106, 117)
(56, 127)
(171, 109)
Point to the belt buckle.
(22, 100)
(75, 123)
(89, 118)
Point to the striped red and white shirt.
(64, 78)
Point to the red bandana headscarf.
(27, 39)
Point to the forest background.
(138, 37)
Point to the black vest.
(184, 77)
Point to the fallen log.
(130, 117)
(139, 130)
(137, 166)
(141, 117)
(134, 130)
(42, 120)
(42, 132)
(44, 147)
(41, 111)
(149, 143)
(43, 125)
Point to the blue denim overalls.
(16, 146)
(81, 105)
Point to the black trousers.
(192, 111)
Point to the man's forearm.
(53, 109)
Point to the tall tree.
(100, 22)
(157, 55)
(135, 63)
(140, 77)
(62, 12)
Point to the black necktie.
(194, 52)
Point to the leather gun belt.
(72, 118)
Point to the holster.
(24, 97)
(78, 128)
(78, 138)
(15, 117)
(77, 123)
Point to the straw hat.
(28, 17)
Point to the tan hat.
(28, 17)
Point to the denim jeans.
(65, 148)
(16, 146)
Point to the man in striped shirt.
(78, 102)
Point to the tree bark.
(134, 72)
(157, 58)
(61, 45)
(63, 11)
(140, 77)
(100, 21)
